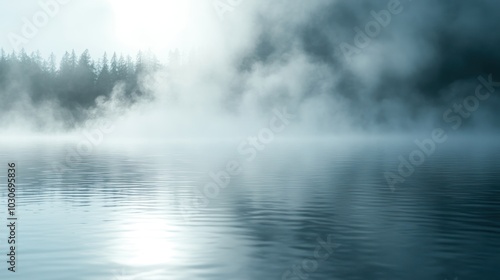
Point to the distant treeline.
(76, 81)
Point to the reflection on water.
(120, 213)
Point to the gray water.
(129, 212)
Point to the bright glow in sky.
(150, 24)
(122, 26)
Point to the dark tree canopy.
(75, 83)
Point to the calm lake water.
(129, 212)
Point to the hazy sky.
(107, 25)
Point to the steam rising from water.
(286, 54)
